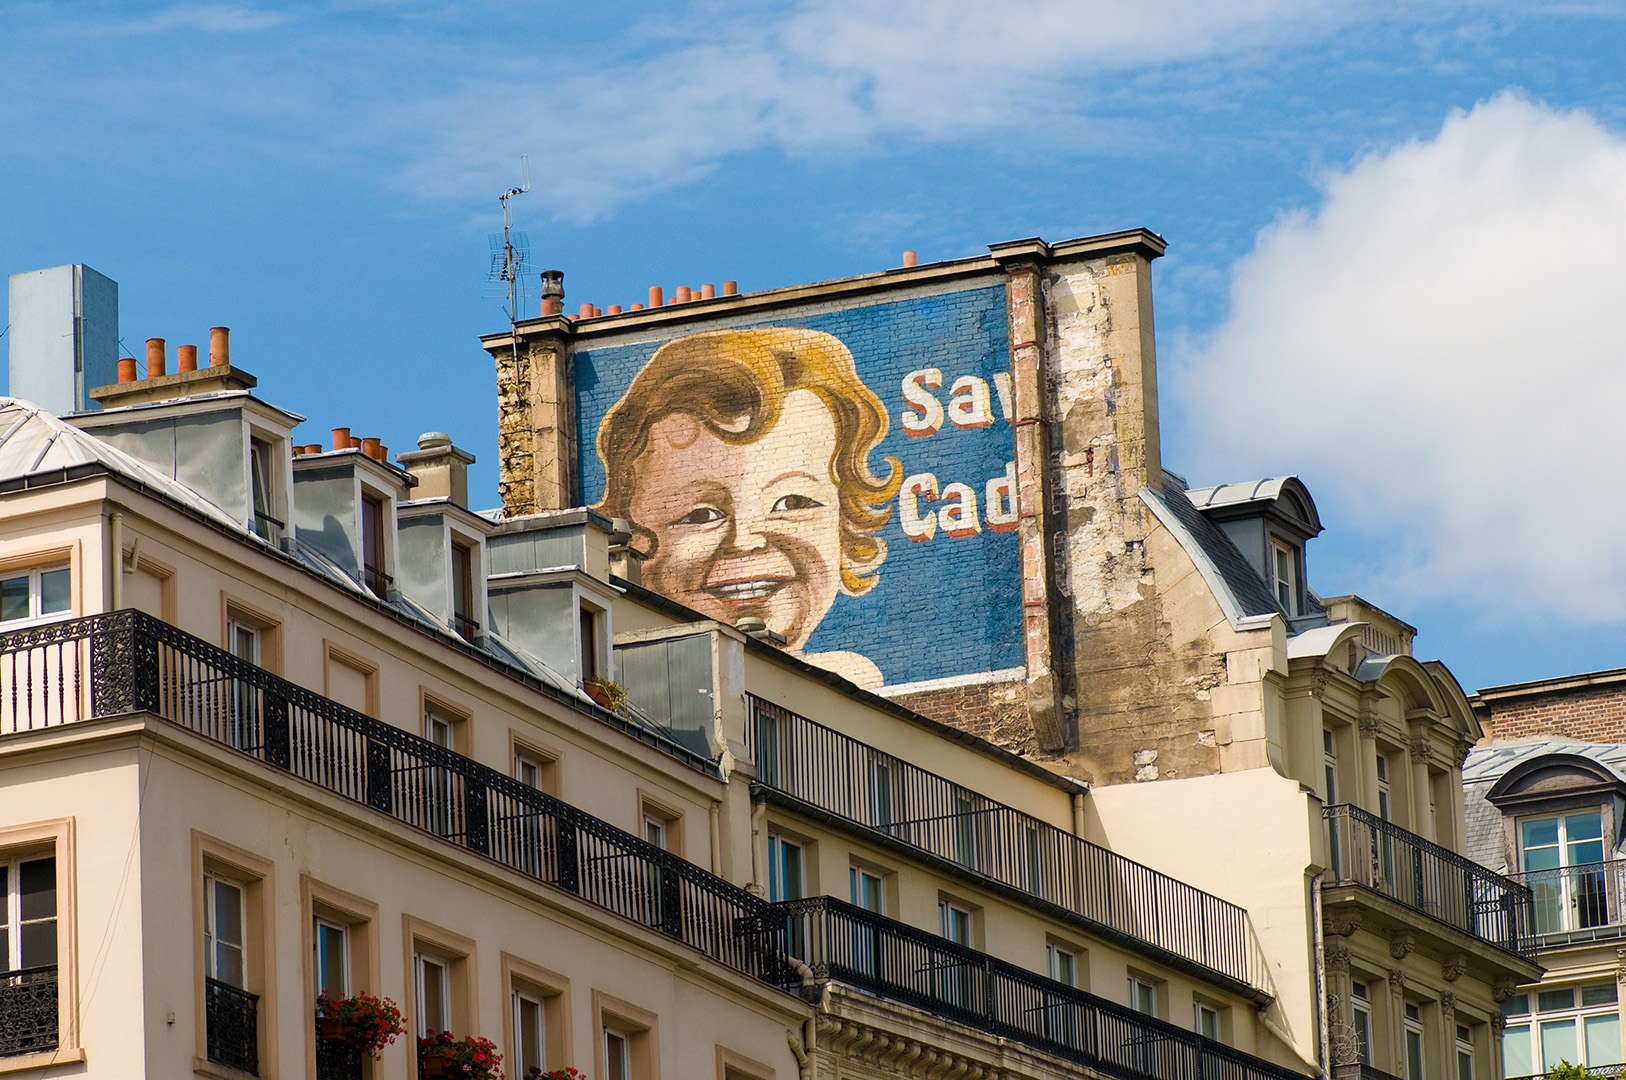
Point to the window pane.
(228, 914)
(529, 1019)
(5, 947)
(617, 1063)
(38, 941)
(1465, 1065)
(330, 959)
(229, 964)
(1584, 832)
(37, 879)
(1602, 1039)
(56, 591)
(434, 996)
(1517, 1005)
(1548, 1000)
(1601, 994)
(14, 598)
(1516, 1051)
(1414, 1055)
(1557, 1043)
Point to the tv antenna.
(511, 252)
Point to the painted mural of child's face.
(750, 530)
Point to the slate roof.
(1241, 592)
(1487, 764)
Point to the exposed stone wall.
(993, 711)
(1585, 714)
(535, 425)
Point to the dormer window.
(263, 486)
(1284, 576)
(463, 590)
(372, 544)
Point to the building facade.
(944, 484)
(282, 719)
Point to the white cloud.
(1440, 347)
(823, 74)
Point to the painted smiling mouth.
(749, 591)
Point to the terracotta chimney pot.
(219, 346)
(156, 363)
(731, 288)
(911, 259)
(681, 295)
(656, 297)
(186, 358)
(615, 309)
(636, 307)
(341, 438)
(708, 291)
(127, 369)
(550, 306)
(371, 447)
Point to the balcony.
(1576, 904)
(817, 770)
(127, 662)
(840, 942)
(337, 1060)
(28, 1011)
(231, 1020)
(1382, 857)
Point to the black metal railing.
(1361, 1072)
(467, 628)
(337, 1060)
(1381, 856)
(1113, 895)
(128, 661)
(1581, 902)
(869, 951)
(28, 1011)
(231, 1024)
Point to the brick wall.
(1585, 714)
(994, 711)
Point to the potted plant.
(609, 694)
(471, 1058)
(365, 1022)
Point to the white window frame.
(1053, 953)
(625, 1039)
(443, 1017)
(1286, 590)
(1360, 1005)
(36, 594)
(1465, 1053)
(211, 936)
(540, 1031)
(11, 918)
(1572, 893)
(777, 847)
(1412, 1030)
(1139, 987)
(1329, 763)
(655, 830)
(318, 950)
(1576, 1013)
(1200, 1010)
(856, 876)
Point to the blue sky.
(1397, 238)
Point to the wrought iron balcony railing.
(845, 943)
(28, 1011)
(1379, 855)
(231, 1020)
(337, 1060)
(1116, 897)
(1585, 902)
(128, 662)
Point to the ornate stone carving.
(1401, 945)
(1342, 923)
(1421, 749)
(1498, 1022)
(1448, 1005)
(1463, 749)
(1337, 957)
(1453, 969)
(1318, 681)
(1367, 723)
(1503, 990)
(1397, 982)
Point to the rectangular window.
(655, 831)
(1385, 810)
(332, 959)
(440, 795)
(617, 1055)
(1361, 1020)
(954, 922)
(372, 544)
(1206, 1022)
(26, 595)
(28, 923)
(463, 591)
(868, 890)
(1061, 964)
(1284, 577)
(223, 939)
(1563, 858)
(1465, 1053)
(787, 869)
(881, 806)
(434, 994)
(260, 456)
(1329, 765)
(1142, 995)
(588, 644)
(530, 1034)
(1414, 1043)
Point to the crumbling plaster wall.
(1159, 685)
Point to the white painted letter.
(1002, 387)
(1001, 502)
(959, 517)
(925, 413)
(915, 525)
(968, 405)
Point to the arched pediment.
(1554, 776)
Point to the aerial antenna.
(511, 252)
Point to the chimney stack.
(186, 358)
(219, 347)
(156, 362)
(441, 469)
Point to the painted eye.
(700, 515)
(796, 502)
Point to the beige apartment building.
(975, 445)
(279, 719)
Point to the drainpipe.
(116, 562)
(716, 840)
(1322, 1036)
(1078, 814)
